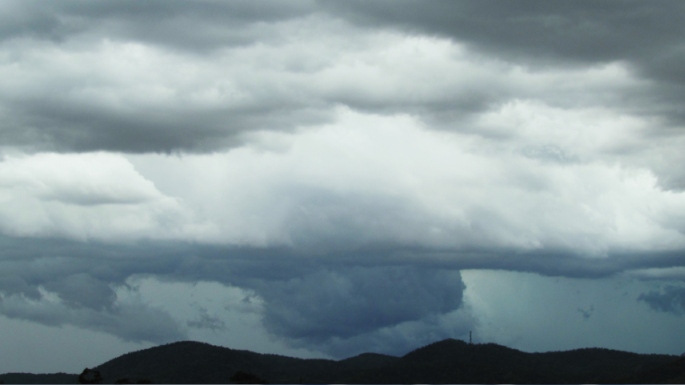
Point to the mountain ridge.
(445, 361)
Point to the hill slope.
(28, 378)
(670, 373)
(448, 361)
(195, 362)
(452, 361)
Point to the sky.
(326, 178)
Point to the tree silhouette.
(90, 376)
(241, 377)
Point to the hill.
(447, 361)
(29, 378)
(670, 373)
(453, 361)
(196, 362)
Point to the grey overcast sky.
(325, 178)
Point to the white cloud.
(85, 196)
(361, 181)
(370, 179)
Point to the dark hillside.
(363, 363)
(28, 378)
(453, 361)
(671, 373)
(447, 361)
(195, 362)
(601, 365)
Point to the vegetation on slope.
(447, 361)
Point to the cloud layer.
(338, 164)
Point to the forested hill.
(28, 378)
(447, 361)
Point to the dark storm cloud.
(57, 115)
(341, 307)
(351, 301)
(199, 25)
(542, 34)
(72, 125)
(354, 239)
(345, 310)
(86, 110)
(136, 323)
(14, 285)
(83, 290)
(528, 30)
(342, 302)
(671, 299)
(83, 278)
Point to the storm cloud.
(244, 67)
(347, 302)
(671, 299)
(328, 178)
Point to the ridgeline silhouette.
(447, 361)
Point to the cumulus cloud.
(333, 190)
(85, 196)
(347, 302)
(642, 38)
(401, 338)
(132, 98)
(321, 217)
(341, 162)
(88, 179)
(344, 310)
